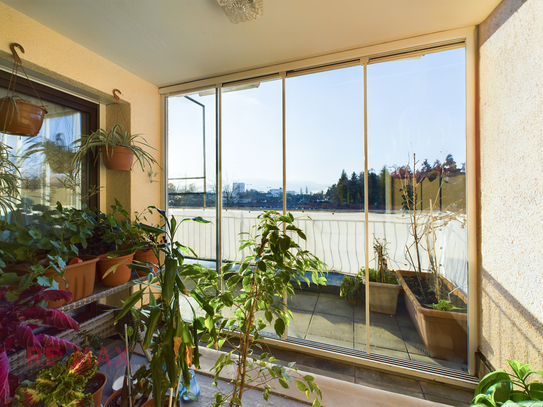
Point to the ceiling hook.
(115, 91)
(15, 55)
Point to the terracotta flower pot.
(146, 257)
(444, 333)
(25, 121)
(97, 395)
(112, 397)
(117, 158)
(80, 278)
(118, 276)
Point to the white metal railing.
(337, 238)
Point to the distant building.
(291, 192)
(276, 192)
(238, 188)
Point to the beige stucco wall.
(49, 50)
(511, 183)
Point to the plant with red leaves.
(18, 317)
(60, 385)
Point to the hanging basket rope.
(17, 116)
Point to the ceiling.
(168, 42)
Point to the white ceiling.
(173, 41)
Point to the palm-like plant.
(117, 136)
(9, 182)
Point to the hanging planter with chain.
(17, 116)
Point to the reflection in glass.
(417, 147)
(191, 135)
(44, 162)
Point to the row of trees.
(350, 190)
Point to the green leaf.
(490, 379)
(129, 303)
(283, 384)
(9, 279)
(301, 386)
(316, 403)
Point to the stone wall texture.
(511, 183)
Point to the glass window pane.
(191, 135)
(44, 161)
(417, 148)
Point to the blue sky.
(414, 106)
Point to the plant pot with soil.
(114, 271)
(443, 332)
(95, 386)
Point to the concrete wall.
(54, 55)
(511, 183)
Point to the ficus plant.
(175, 346)
(276, 264)
(500, 388)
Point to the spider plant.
(58, 153)
(9, 177)
(117, 136)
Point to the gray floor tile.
(300, 323)
(336, 375)
(331, 304)
(331, 326)
(380, 335)
(303, 300)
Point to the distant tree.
(449, 166)
(373, 188)
(354, 190)
(343, 188)
(332, 195)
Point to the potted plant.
(174, 344)
(58, 153)
(502, 388)
(62, 385)
(51, 251)
(352, 289)
(9, 182)
(384, 286)
(276, 263)
(117, 146)
(436, 307)
(21, 310)
(18, 116)
(113, 235)
(144, 243)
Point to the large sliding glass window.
(410, 186)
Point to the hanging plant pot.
(117, 158)
(20, 118)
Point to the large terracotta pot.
(121, 274)
(117, 158)
(97, 395)
(25, 121)
(444, 333)
(80, 278)
(146, 257)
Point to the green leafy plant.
(275, 265)
(500, 388)
(117, 136)
(175, 344)
(352, 288)
(60, 385)
(9, 182)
